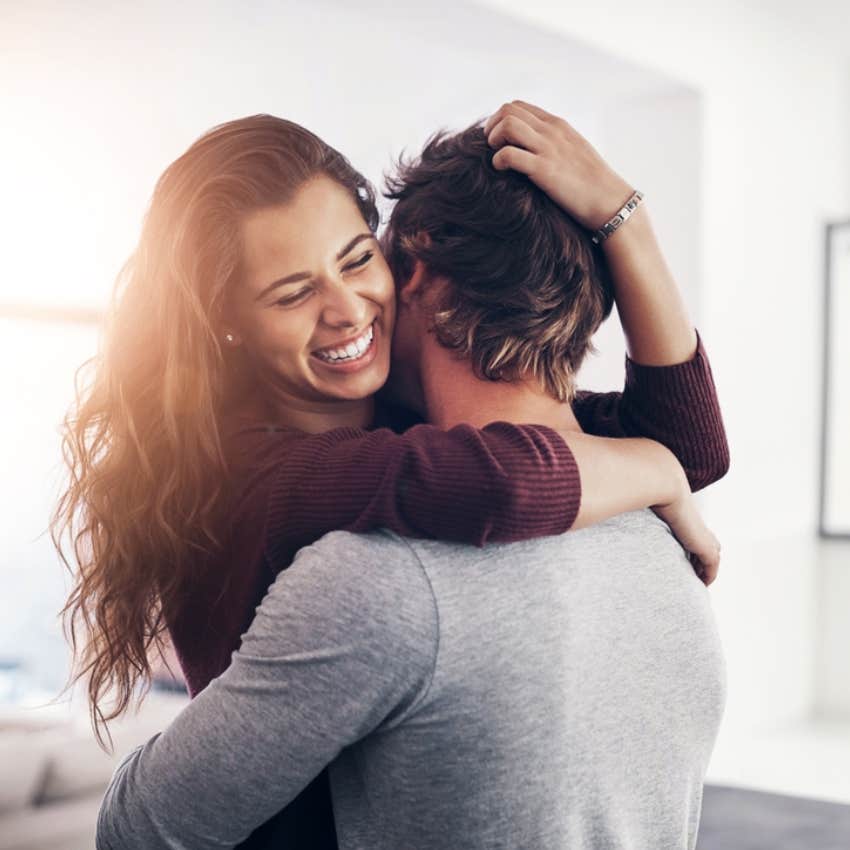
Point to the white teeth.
(351, 351)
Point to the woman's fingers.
(554, 125)
(698, 541)
(536, 111)
(512, 130)
(565, 165)
(515, 111)
(709, 572)
(516, 159)
(706, 561)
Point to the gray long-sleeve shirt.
(564, 692)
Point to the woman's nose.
(344, 307)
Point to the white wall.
(656, 139)
(775, 88)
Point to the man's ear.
(414, 286)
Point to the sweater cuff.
(690, 380)
(677, 405)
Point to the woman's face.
(315, 305)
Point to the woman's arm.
(503, 482)
(500, 483)
(669, 393)
(676, 405)
(653, 315)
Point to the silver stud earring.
(229, 338)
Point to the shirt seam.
(422, 697)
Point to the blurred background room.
(732, 117)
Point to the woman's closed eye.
(360, 261)
(295, 298)
(301, 294)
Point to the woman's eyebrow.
(294, 278)
(284, 280)
(356, 241)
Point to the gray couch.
(53, 773)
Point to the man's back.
(575, 691)
(563, 693)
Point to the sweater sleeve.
(500, 483)
(675, 405)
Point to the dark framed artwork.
(835, 439)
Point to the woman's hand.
(564, 165)
(557, 159)
(623, 474)
(688, 528)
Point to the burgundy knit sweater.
(501, 483)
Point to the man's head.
(512, 283)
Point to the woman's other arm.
(669, 394)
(676, 405)
(503, 482)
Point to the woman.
(232, 420)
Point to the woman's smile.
(351, 354)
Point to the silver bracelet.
(620, 217)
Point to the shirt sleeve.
(345, 641)
(501, 483)
(675, 405)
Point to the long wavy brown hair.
(147, 477)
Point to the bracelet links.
(620, 217)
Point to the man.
(563, 692)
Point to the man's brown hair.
(528, 286)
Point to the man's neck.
(453, 394)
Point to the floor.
(737, 819)
(807, 760)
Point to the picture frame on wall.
(834, 519)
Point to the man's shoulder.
(642, 525)
(375, 574)
(370, 548)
